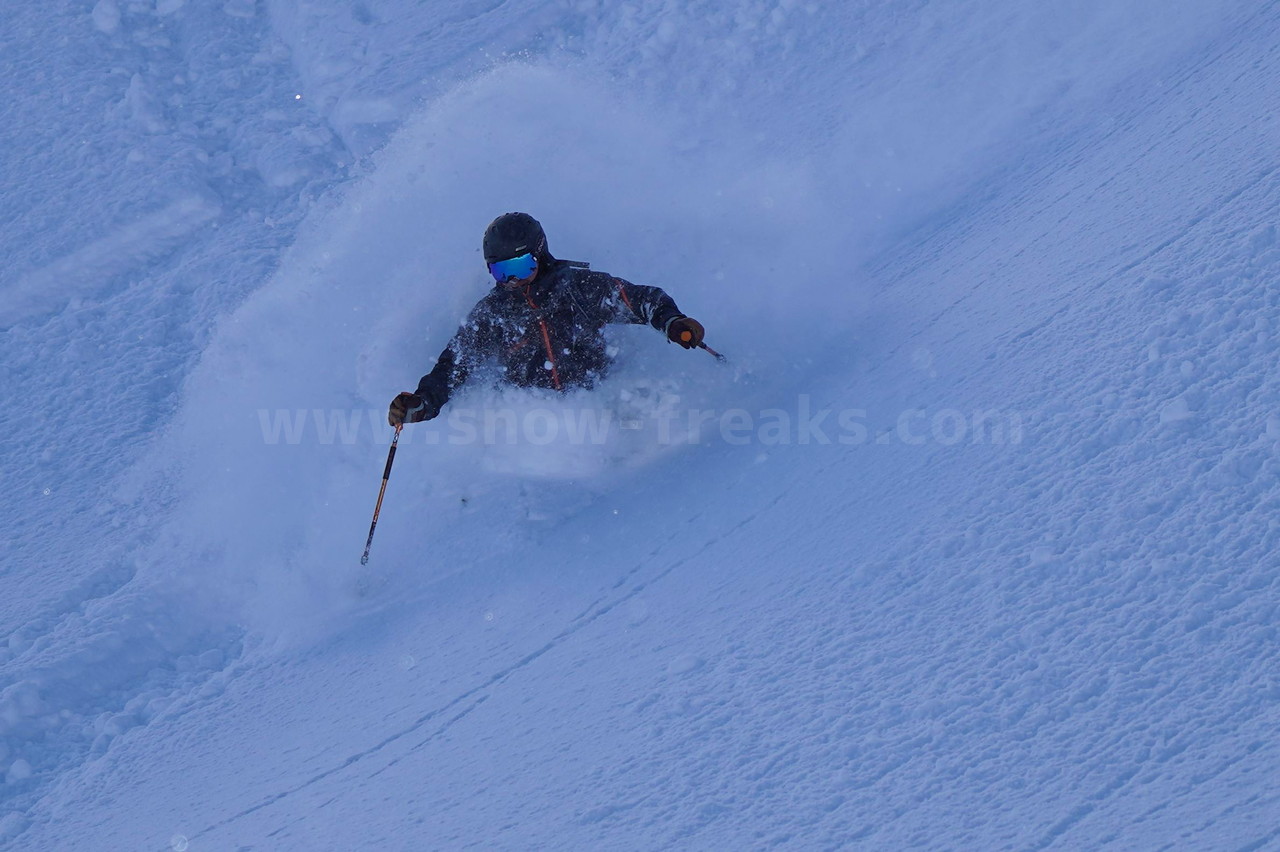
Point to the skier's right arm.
(450, 372)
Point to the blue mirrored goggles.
(517, 267)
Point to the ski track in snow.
(470, 699)
(1067, 642)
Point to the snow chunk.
(685, 663)
(1175, 411)
(140, 107)
(106, 16)
(20, 770)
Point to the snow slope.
(1017, 590)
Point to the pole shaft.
(386, 474)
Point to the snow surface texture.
(1025, 255)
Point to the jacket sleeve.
(465, 350)
(637, 304)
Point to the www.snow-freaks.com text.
(668, 424)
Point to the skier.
(541, 322)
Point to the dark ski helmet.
(514, 234)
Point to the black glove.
(686, 331)
(411, 408)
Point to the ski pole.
(719, 357)
(386, 474)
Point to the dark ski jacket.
(548, 334)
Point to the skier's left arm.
(638, 304)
